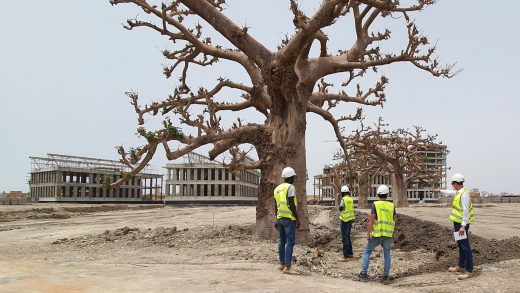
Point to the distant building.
(14, 198)
(15, 194)
(200, 179)
(63, 178)
(324, 190)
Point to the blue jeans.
(386, 242)
(465, 255)
(345, 228)
(287, 232)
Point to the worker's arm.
(446, 192)
(464, 202)
(341, 205)
(371, 225)
(465, 208)
(291, 198)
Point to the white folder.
(458, 237)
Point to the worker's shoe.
(363, 277)
(455, 269)
(343, 259)
(465, 276)
(280, 267)
(290, 271)
(385, 280)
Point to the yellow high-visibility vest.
(348, 209)
(456, 211)
(384, 225)
(280, 196)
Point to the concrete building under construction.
(63, 178)
(202, 180)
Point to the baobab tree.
(355, 170)
(283, 84)
(338, 176)
(400, 153)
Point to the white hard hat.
(288, 172)
(457, 178)
(344, 188)
(383, 189)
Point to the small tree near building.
(401, 153)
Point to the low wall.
(503, 199)
(16, 201)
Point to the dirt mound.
(419, 246)
(161, 236)
(413, 238)
(412, 234)
(66, 212)
(36, 213)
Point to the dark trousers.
(345, 228)
(465, 254)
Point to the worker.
(346, 209)
(380, 231)
(462, 214)
(286, 220)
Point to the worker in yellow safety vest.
(462, 214)
(380, 231)
(346, 209)
(286, 220)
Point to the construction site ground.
(129, 248)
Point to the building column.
(167, 191)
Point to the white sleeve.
(290, 191)
(448, 192)
(464, 198)
(341, 203)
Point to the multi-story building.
(63, 178)
(434, 160)
(200, 179)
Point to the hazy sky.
(65, 65)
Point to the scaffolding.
(195, 158)
(74, 162)
(74, 178)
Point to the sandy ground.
(210, 249)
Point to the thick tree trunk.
(364, 191)
(287, 123)
(399, 190)
(337, 195)
(265, 216)
(271, 177)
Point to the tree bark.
(287, 123)
(265, 216)
(271, 177)
(364, 191)
(399, 194)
